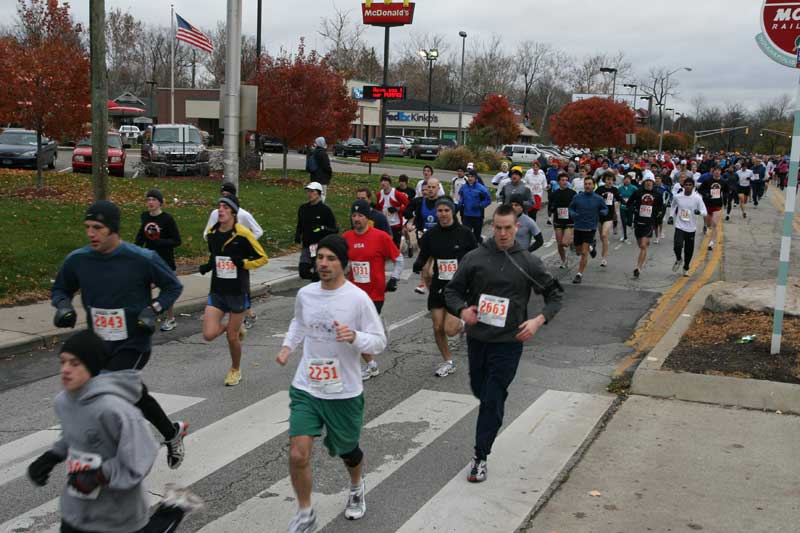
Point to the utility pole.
(97, 50)
(385, 83)
(233, 77)
(258, 38)
(460, 139)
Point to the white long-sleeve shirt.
(242, 217)
(536, 181)
(315, 310)
(683, 210)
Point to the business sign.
(378, 92)
(402, 116)
(780, 36)
(387, 13)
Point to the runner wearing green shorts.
(336, 321)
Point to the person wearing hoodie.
(108, 447)
(318, 165)
(490, 293)
(473, 198)
(732, 197)
(586, 210)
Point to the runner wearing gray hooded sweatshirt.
(109, 448)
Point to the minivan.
(521, 153)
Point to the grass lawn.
(44, 228)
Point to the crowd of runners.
(477, 272)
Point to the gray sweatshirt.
(102, 428)
(489, 271)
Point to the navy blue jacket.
(586, 209)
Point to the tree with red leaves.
(495, 121)
(301, 98)
(646, 139)
(50, 71)
(594, 123)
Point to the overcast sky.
(714, 37)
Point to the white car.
(521, 153)
(129, 132)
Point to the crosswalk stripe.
(525, 459)
(273, 508)
(207, 450)
(15, 455)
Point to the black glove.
(392, 210)
(86, 481)
(146, 321)
(39, 470)
(204, 269)
(65, 315)
(238, 261)
(391, 285)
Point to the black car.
(271, 144)
(18, 149)
(425, 148)
(350, 147)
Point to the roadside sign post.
(780, 41)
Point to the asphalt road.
(577, 352)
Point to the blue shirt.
(473, 199)
(586, 209)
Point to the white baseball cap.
(470, 166)
(314, 186)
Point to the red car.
(82, 155)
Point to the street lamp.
(463, 36)
(680, 116)
(430, 56)
(609, 70)
(664, 103)
(634, 87)
(649, 110)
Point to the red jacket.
(396, 199)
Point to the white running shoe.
(420, 289)
(445, 369)
(303, 522)
(655, 241)
(711, 245)
(685, 272)
(356, 503)
(603, 263)
(369, 371)
(181, 498)
(676, 265)
(175, 448)
(168, 325)
(477, 471)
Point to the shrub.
(490, 158)
(482, 167)
(453, 158)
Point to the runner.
(610, 195)
(315, 220)
(758, 180)
(106, 463)
(421, 216)
(644, 203)
(743, 189)
(473, 199)
(516, 186)
(114, 278)
(456, 183)
(370, 248)
(732, 180)
(664, 190)
(393, 204)
(427, 174)
(586, 209)
(247, 220)
(233, 253)
(562, 222)
(159, 232)
(376, 218)
(445, 245)
(685, 208)
(713, 191)
(626, 214)
(501, 177)
(335, 321)
(402, 186)
(490, 293)
(529, 236)
(537, 183)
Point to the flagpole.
(172, 68)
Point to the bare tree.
(489, 71)
(344, 39)
(660, 85)
(215, 61)
(585, 76)
(531, 61)
(125, 72)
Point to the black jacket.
(313, 223)
(160, 234)
(323, 173)
(643, 197)
(452, 242)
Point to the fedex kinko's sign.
(387, 13)
(780, 37)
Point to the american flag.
(191, 35)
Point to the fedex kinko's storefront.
(409, 118)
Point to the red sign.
(377, 92)
(780, 20)
(370, 157)
(378, 13)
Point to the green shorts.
(342, 420)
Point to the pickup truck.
(174, 149)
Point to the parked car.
(129, 133)
(350, 147)
(425, 148)
(18, 149)
(448, 143)
(271, 144)
(82, 155)
(174, 148)
(521, 154)
(395, 146)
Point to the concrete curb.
(650, 380)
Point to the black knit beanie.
(446, 201)
(231, 201)
(155, 193)
(337, 245)
(89, 348)
(106, 213)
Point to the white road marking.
(273, 508)
(65, 170)
(407, 320)
(525, 459)
(208, 450)
(15, 456)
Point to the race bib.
(312, 250)
(562, 212)
(609, 198)
(109, 324)
(685, 215)
(78, 461)
(324, 375)
(360, 270)
(447, 268)
(646, 211)
(225, 267)
(716, 194)
(493, 310)
(537, 189)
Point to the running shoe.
(593, 251)
(168, 325)
(356, 504)
(233, 378)
(242, 332)
(676, 265)
(744, 215)
(727, 217)
(369, 371)
(181, 498)
(686, 272)
(661, 236)
(420, 289)
(655, 241)
(635, 272)
(303, 522)
(175, 449)
(563, 265)
(622, 239)
(445, 369)
(711, 245)
(578, 278)
(549, 222)
(249, 321)
(603, 263)
(477, 471)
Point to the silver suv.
(174, 149)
